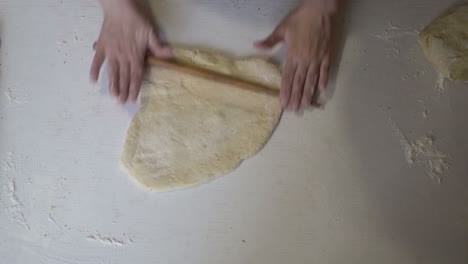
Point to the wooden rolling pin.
(212, 76)
(217, 77)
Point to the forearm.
(331, 6)
(108, 5)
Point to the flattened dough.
(190, 130)
(445, 43)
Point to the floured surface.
(331, 186)
(190, 130)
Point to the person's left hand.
(307, 33)
(126, 37)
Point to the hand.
(307, 32)
(126, 36)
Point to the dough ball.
(445, 43)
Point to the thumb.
(158, 49)
(270, 41)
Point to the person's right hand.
(307, 32)
(125, 38)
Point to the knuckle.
(137, 70)
(123, 81)
(136, 77)
(126, 75)
(286, 81)
(325, 68)
(297, 85)
(285, 90)
(299, 80)
(286, 86)
(123, 90)
(302, 75)
(305, 52)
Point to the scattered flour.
(425, 114)
(13, 98)
(52, 220)
(440, 84)
(415, 75)
(109, 240)
(392, 34)
(393, 52)
(419, 72)
(13, 204)
(423, 151)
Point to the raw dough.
(190, 130)
(445, 43)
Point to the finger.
(287, 82)
(96, 65)
(324, 70)
(271, 40)
(309, 86)
(136, 78)
(298, 87)
(157, 48)
(124, 81)
(113, 73)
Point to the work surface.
(379, 176)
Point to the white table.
(331, 186)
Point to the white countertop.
(332, 186)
